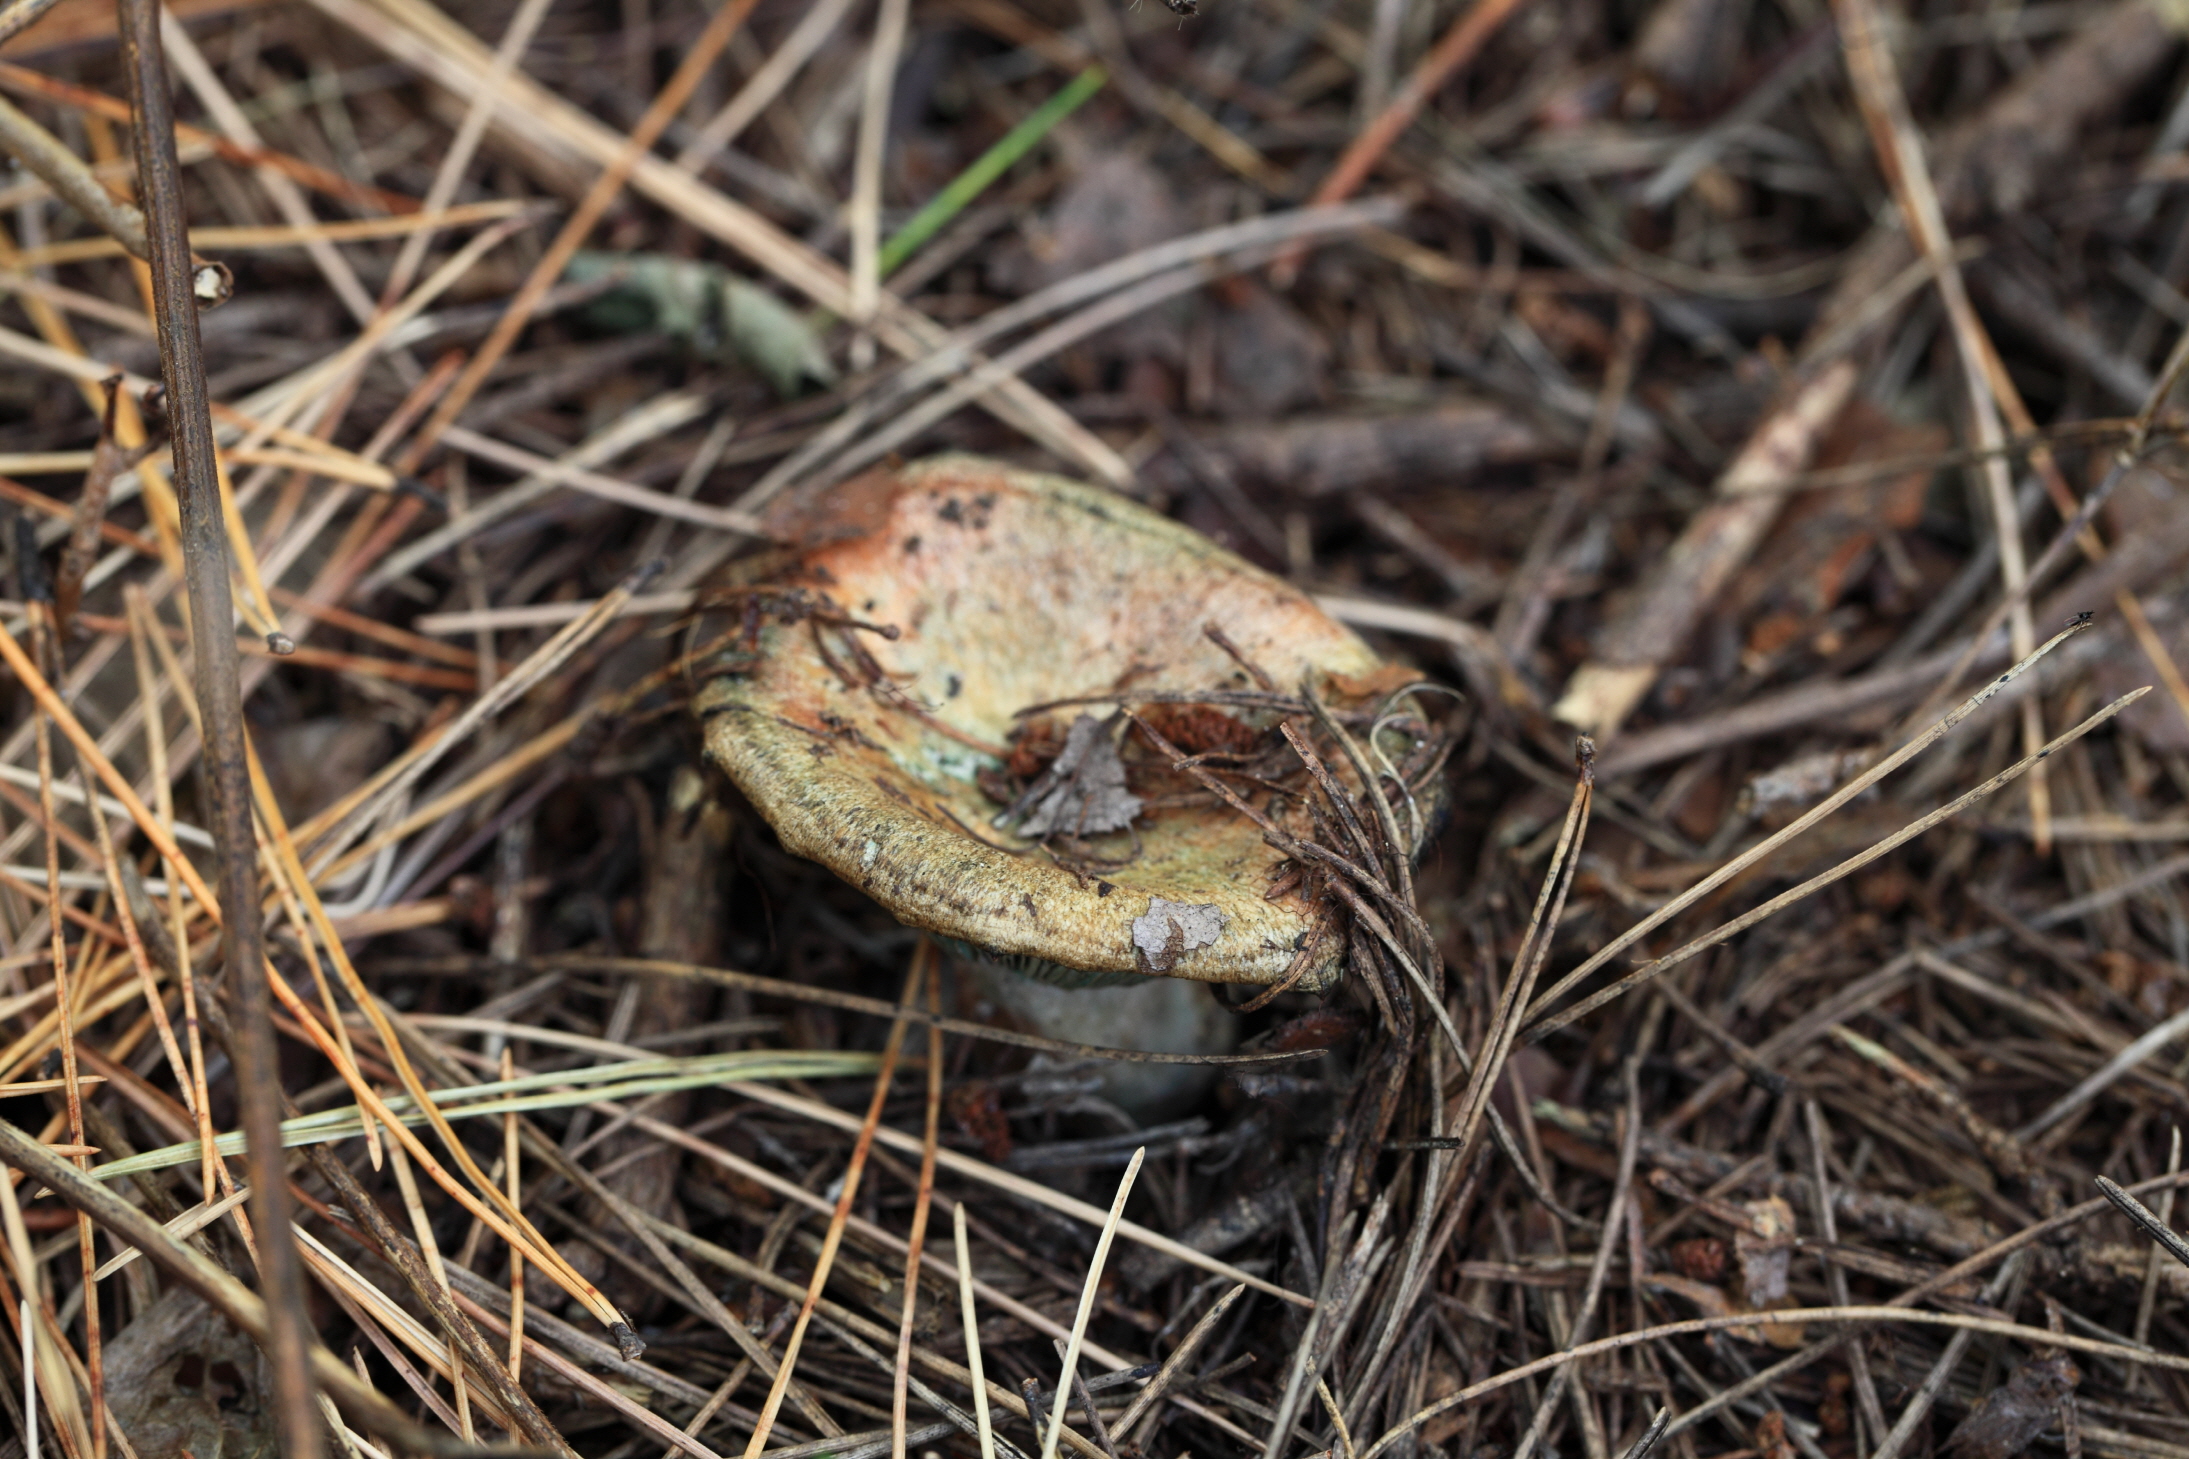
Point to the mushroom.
(944, 694)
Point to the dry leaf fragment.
(1771, 1440)
(1083, 791)
(1765, 1250)
(1167, 931)
(2011, 1416)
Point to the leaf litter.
(1666, 443)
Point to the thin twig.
(220, 701)
(1817, 813)
(2148, 1219)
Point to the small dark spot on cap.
(1103, 888)
(911, 544)
(953, 685)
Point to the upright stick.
(220, 697)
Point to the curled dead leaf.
(2011, 1416)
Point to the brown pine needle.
(922, 955)
(923, 1200)
(421, 1225)
(1809, 818)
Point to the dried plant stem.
(923, 1200)
(2158, 1230)
(71, 180)
(22, 15)
(1822, 809)
(1055, 1426)
(1175, 1364)
(1845, 868)
(238, 1304)
(220, 701)
(421, 1226)
(723, 24)
(922, 955)
(972, 1333)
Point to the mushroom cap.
(1009, 589)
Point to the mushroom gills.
(1038, 969)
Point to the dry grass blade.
(921, 958)
(972, 1333)
(1833, 802)
(1845, 868)
(358, 1401)
(1055, 1427)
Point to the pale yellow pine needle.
(422, 1224)
(516, 1257)
(1086, 1307)
(972, 1333)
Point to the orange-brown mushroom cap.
(1009, 589)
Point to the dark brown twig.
(220, 700)
(357, 1399)
(2148, 1219)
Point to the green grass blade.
(595, 1083)
(989, 166)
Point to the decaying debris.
(2011, 1416)
(990, 603)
